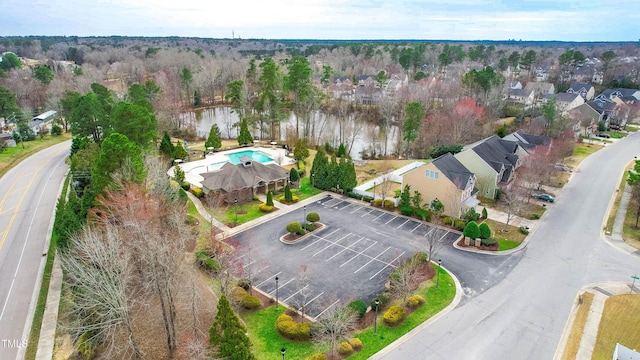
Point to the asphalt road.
(28, 195)
(524, 314)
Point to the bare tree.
(404, 278)
(304, 291)
(433, 242)
(336, 325)
(511, 203)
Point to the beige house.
(446, 180)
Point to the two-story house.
(540, 90)
(446, 180)
(586, 91)
(566, 102)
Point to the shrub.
(205, 261)
(415, 301)
(313, 217)
(394, 315)
(446, 220)
(523, 230)
(367, 199)
(292, 330)
(300, 231)
(56, 130)
(359, 306)
(377, 202)
(318, 357)
(389, 204)
(250, 302)
(198, 192)
(423, 214)
(471, 215)
(283, 199)
(345, 348)
(471, 230)
(293, 175)
(485, 231)
(288, 197)
(488, 241)
(396, 193)
(269, 201)
(294, 227)
(384, 300)
(244, 283)
(185, 186)
(309, 227)
(265, 208)
(534, 217)
(459, 224)
(406, 210)
(356, 344)
(485, 214)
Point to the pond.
(356, 135)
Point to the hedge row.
(293, 330)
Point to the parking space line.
(269, 279)
(317, 296)
(358, 208)
(382, 213)
(401, 225)
(263, 269)
(329, 203)
(414, 229)
(295, 293)
(331, 243)
(358, 253)
(239, 257)
(341, 251)
(350, 204)
(369, 212)
(429, 232)
(323, 311)
(387, 265)
(395, 217)
(244, 266)
(319, 238)
(370, 261)
(281, 286)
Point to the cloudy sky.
(566, 20)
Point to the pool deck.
(214, 161)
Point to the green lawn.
(12, 156)
(620, 323)
(305, 190)
(504, 244)
(228, 214)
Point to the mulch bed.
(493, 247)
(294, 237)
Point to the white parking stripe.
(281, 286)
(414, 229)
(401, 225)
(320, 238)
(369, 212)
(310, 301)
(391, 220)
(378, 216)
(272, 278)
(340, 252)
(323, 311)
(387, 265)
(358, 208)
(358, 253)
(331, 243)
(370, 261)
(295, 293)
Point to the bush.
(471, 230)
(313, 217)
(198, 192)
(185, 186)
(459, 224)
(359, 306)
(269, 201)
(318, 357)
(485, 214)
(446, 220)
(345, 348)
(406, 210)
(471, 215)
(523, 230)
(294, 199)
(534, 217)
(250, 302)
(205, 261)
(389, 203)
(488, 241)
(377, 202)
(265, 208)
(294, 227)
(394, 315)
(415, 301)
(384, 300)
(292, 330)
(56, 130)
(367, 199)
(485, 231)
(423, 214)
(356, 344)
(244, 283)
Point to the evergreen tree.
(471, 230)
(269, 199)
(485, 214)
(166, 147)
(300, 151)
(116, 149)
(179, 152)
(288, 196)
(197, 99)
(228, 334)
(484, 231)
(245, 136)
(320, 169)
(178, 174)
(405, 196)
(294, 177)
(214, 138)
(333, 174)
(417, 199)
(341, 150)
(346, 175)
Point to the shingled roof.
(248, 174)
(453, 169)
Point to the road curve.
(28, 195)
(523, 315)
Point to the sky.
(563, 20)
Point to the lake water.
(355, 135)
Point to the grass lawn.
(375, 168)
(227, 214)
(508, 238)
(266, 340)
(12, 156)
(573, 342)
(620, 323)
(305, 190)
(616, 203)
(581, 151)
(631, 233)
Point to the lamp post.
(282, 351)
(235, 202)
(438, 275)
(276, 293)
(304, 217)
(313, 182)
(375, 319)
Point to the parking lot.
(350, 259)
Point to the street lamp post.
(313, 182)
(282, 351)
(438, 275)
(276, 293)
(235, 202)
(375, 319)
(304, 217)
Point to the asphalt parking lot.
(350, 259)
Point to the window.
(432, 174)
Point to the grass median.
(10, 157)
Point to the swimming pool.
(258, 156)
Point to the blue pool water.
(258, 156)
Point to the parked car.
(604, 135)
(563, 167)
(615, 127)
(544, 197)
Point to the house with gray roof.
(586, 91)
(528, 142)
(242, 181)
(566, 102)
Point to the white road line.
(319, 238)
(295, 293)
(379, 216)
(272, 278)
(369, 212)
(341, 251)
(414, 229)
(263, 269)
(281, 286)
(395, 217)
(331, 243)
(239, 257)
(370, 261)
(358, 208)
(244, 266)
(429, 232)
(350, 204)
(323, 311)
(442, 237)
(310, 301)
(401, 225)
(7, 299)
(358, 253)
(387, 265)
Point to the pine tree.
(179, 152)
(471, 230)
(320, 169)
(294, 177)
(269, 199)
(245, 136)
(405, 196)
(288, 197)
(342, 151)
(166, 147)
(213, 140)
(228, 334)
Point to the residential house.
(528, 142)
(540, 90)
(583, 73)
(566, 102)
(586, 120)
(394, 84)
(607, 109)
(622, 352)
(542, 74)
(242, 181)
(367, 80)
(521, 96)
(494, 162)
(367, 91)
(515, 84)
(447, 180)
(586, 91)
(342, 88)
(629, 96)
